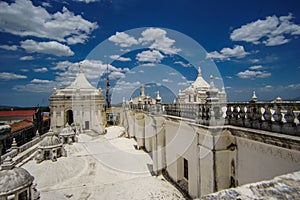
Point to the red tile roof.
(45, 118)
(20, 125)
(13, 113)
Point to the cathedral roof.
(198, 83)
(81, 82)
(80, 87)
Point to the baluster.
(242, 115)
(205, 114)
(208, 114)
(276, 125)
(289, 127)
(257, 117)
(228, 114)
(298, 125)
(248, 120)
(267, 122)
(235, 115)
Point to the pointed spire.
(174, 101)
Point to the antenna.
(107, 95)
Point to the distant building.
(80, 104)
(4, 138)
(143, 99)
(23, 131)
(197, 92)
(12, 116)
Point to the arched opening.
(70, 118)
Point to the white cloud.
(9, 48)
(173, 74)
(52, 47)
(157, 39)
(40, 81)
(35, 87)
(62, 65)
(183, 64)
(294, 86)
(152, 56)
(119, 58)
(141, 71)
(183, 83)
(227, 53)
(67, 72)
(268, 87)
(254, 60)
(24, 70)
(255, 67)
(277, 40)
(270, 31)
(42, 70)
(116, 75)
(123, 39)
(125, 86)
(87, 1)
(46, 4)
(167, 80)
(216, 55)
(148, 64)
(11, 76)
(253, 74)
(27, 58)
(22, 18)
(93, 70)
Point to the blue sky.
(245, 45)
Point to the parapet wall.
(203, 159)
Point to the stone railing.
(281, 117)
(275, 117)
(15, 151)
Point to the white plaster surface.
(101, 167)
(284, 187)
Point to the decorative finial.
(142, 90)
(254, 97)
(199, 72)
(8, 163)
(212, 84)
(80, 67)
(158, 96)
(14, 144)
